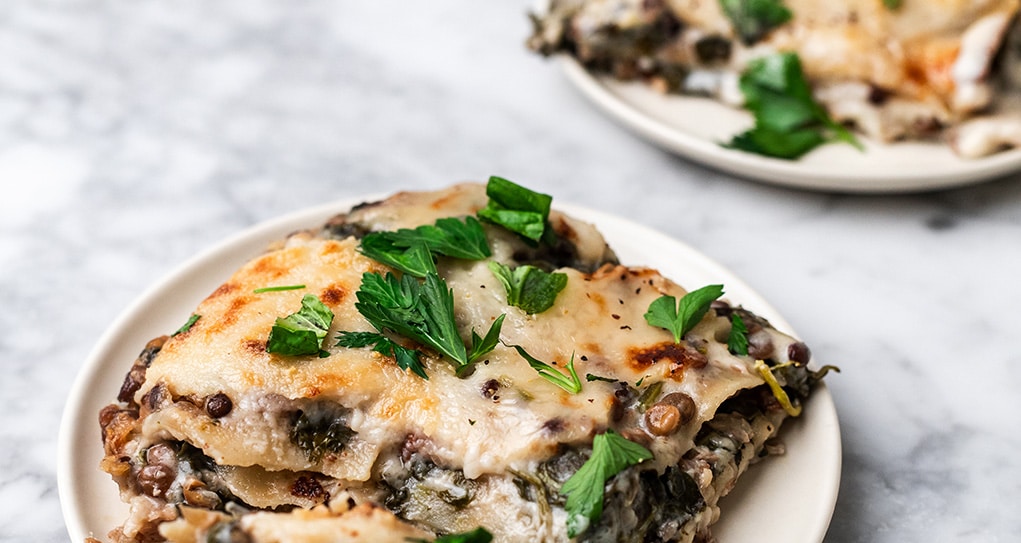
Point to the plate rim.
(771, 170)
(248, 242)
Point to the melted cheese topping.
(597, 319)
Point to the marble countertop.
(136, 134)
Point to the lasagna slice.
(581, 412)
(909, 69)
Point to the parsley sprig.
(302, 332)
(611, 454)
(407, 359)
(753, 19)
(569, 382)
(422, 311)
(680, 318)
(481, 346)
(187, 325)
(412, 250)
(788, 121)
(528, 287)
(280, 288)
(737, 340)
(520, 210)
(478, 535)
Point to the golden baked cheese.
(216, 431)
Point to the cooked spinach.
(318, 432)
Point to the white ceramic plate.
(788, 498)
(693, 127)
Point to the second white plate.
(693, 127)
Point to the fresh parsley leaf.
(590, 377)
(766, 141)
(277, 289)
(415, 259)
(436, 306)
(422, 312)
(753, 19)
(187, 325)
(481, 346)
(528, 287)
(358, 340)
(449, 237)
(788, 121)
(737, 340)
(679, 319)
(570, 382)
(528, 224)
(406, 358)
(302, 332)
(611, 454)
(478, 535)
(520, 210)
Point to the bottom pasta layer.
(451, 365)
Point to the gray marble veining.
(135, 134)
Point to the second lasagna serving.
(459, 364)
(891, 69)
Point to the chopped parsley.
(680, 318)
(482, 346)
(592, 377)
(415, 260)
(302, 332)
(528, 287)
(277, 289)
(753, 19)
(412, 251)
(478, 535)
(788, 121)
(737, 340)
(187, 325)
(422, 312)
(571, 383)
(892, 4)
(611, 454)
(406, 358)
(520, 210)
